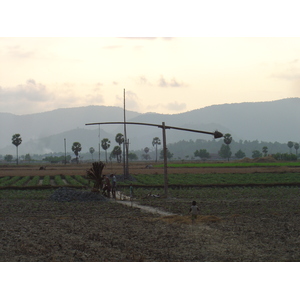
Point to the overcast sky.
(167, 75)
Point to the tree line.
(225, 148)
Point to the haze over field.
(273, 121)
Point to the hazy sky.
(167, 75)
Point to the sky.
(164, 71)
(166, 75)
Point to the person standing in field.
(114, 185)
(194, 209)
(131, 192)
(107, 186)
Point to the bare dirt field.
(99, 231)
(234, 224)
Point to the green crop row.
(230, 178)
(34, 181)
(72, 181)
(83, 180)
(58, 180)
(3, 179)
(158, 179)
(46, 180)
(10, 181)
(22, 181)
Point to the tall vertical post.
(65, 151)
(125, 146)
(124, 168)
(99, 142)
(165, 159)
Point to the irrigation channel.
(125, 200)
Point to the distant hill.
(44, 132)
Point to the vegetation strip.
(157, 180)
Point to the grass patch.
(231, 165)
(230, 178)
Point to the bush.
(285, 156)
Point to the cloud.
(30, 92)
(172, 83)
(291, 71)
(33, 97)
(131, 101)
(290, 74)
(170, 107)
(97, 87)
(94, 99)
(18, 52)
(175, 106)
(142, 80)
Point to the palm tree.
(119, 139)
(17, 140)
(290, 145)
(117, 153)
(146, 150)
(105, 144)
(265, 150)
(92, 150)
(95, 174)
(227, 138)
(156, 141)
(226, 152)
(76, 148)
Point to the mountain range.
(45, 132)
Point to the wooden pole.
(165, 158)
(65, 152)
(125, 137)
(125, 148)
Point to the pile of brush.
(95, 174)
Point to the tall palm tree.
(227, 141)
(227, 138)
(105, 144)
(265, 150)
(17, 140)
(120, 138)
(290, 145)
(117, 153)
(156, 141)
(146, 155)
(92, 150)
(76, 148)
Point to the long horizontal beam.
(216, 134)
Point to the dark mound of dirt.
(68, 194)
